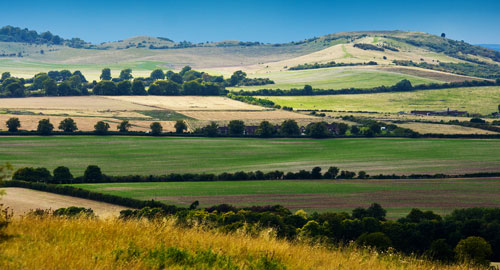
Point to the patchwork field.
(397, 196)
(151, 155)
(140, 111)
(431, 128)
(482, 100)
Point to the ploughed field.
(397, 196)
(117, 155)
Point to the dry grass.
(188, 103)
(235, 115)
(87, 103)
(55, 243)
(425, 128)
(21, 201)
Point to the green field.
(333, 78)
(149, 155)
(397, 196)
(482, 100)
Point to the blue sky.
(257, 20)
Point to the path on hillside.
(22, 200)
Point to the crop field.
(432, 128)
(482, 100)
(397, 196)
(162, 155)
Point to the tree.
(105, 74)
(499, 108)
(15, 89)
(375, 210)
(180, 126)
(106, 88)
(13, 124)
(156, 128)
(474, 249)
(5, 76)
(44, 127)
(290, 128)
(92, 174)
(38, 80)
(375, 128)
(138, 88)
(157, 74)
(404, 85)
(79, 74)
(68, 125)
(50, 87)
(318, 130)
(308, 90)
(184, 70)
(354, 130)
(126, 74)
(237, 77)
(211, 130)
(123, 88)
(342, 128)
(124, 126)
(316, 173)
(440, 250)
(62, 175)
(331, 173)
(443, 35)
(101, 127)
(236, 127)
(265, 129)
(64, 89)
(377, 240)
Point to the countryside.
(135, 144)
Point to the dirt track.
(22, 200)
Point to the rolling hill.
(420, 57)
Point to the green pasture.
(123, 155)
(441, 196)
(483, 100)
(333, 78)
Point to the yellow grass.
(234, 115)
(89, 103)
(55, 243)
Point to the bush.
(475, 250)
(156, 128)
(62, 175)
(92, 174)
(44, 127)
(377, 240)
(13, 124)
(101, 127)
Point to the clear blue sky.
(266, 21)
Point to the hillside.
(422, 57)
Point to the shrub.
(475, 250)
(13, 124)
(101, 127)
(377, 240)
(44, 127)
(92, 174)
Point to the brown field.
(21, 201)
(188, 103)
(86, 103)
(428, 128)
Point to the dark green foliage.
(290, 128)
(101, 128)
(377, 240)
(236, 127)
(180, 126)
(138, 88)
(440, 250)
(265, 129)
(126, 74)
(474, 249)
(123, 88)
(365, 46)
(354, 130)
(92, 174)
(33, 175)
(16, 34)
(50, 87)
(331, 64)
(106, 74)
(156, 128)
(157, 74)
(62, 175)
(5, 76)
(74, 212)
(477, 120)
(165, 88)
(13, 124)
(124, 126)
(106, 88)
(211, 130)
(317, 130)
(44, 127)
(252, 100)
(68, 125)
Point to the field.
(482, 100)
(398, 197)
(431, 128)
(150, 155)
(141, 111)
(97, 244)
(21, 201)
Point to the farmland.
(150, 155)
(482, 100)
(397, 196)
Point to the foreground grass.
(482, 100)
(56, 243)
(396, 196)
(151, 155)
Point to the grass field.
(150, 155)
(397, 196)
(482, 100)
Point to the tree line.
(330, 64)
(466, 235)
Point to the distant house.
(223, 130)
(333, 128)
(445, 112)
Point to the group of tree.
(15, 34)
(331, 64)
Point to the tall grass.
(83, 243)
